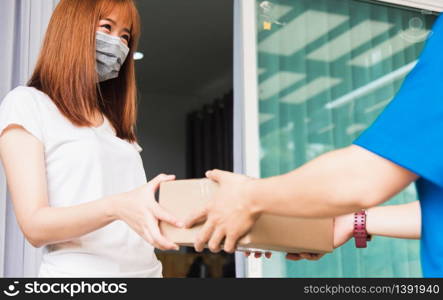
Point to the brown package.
(286, 234)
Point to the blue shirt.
(409, 132)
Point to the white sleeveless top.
(84, 164)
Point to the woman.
(404, 145)
(70, 154)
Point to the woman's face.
(114, 24)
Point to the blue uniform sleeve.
(409, 132)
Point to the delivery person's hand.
(290, 256)
(142, 213)
(228, 217)
(258, 254)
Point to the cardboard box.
(286, 234)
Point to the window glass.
(326, 69)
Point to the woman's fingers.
(147, 237)
(162, 214)
(159, 241)
(155, 182)
(268, 254)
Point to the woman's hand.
(142, 213)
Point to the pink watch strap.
(361, 236)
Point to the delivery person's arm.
(388, 221)
(23, 158)
(336, 183)
(405, 137)
(380, 221)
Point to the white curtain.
(22, 27)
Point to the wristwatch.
(360, 234)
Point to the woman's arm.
(23, 158)
(335, 183)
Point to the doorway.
(185, 116)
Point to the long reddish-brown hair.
(66, 68)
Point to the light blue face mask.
(111, 53)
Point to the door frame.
(246, 124)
